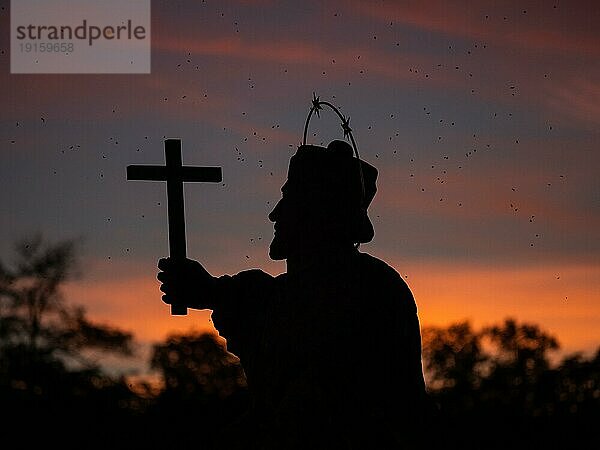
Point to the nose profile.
(274, 215)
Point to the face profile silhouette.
(324, 202)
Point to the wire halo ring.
(316, 104)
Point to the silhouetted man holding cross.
(331, 348)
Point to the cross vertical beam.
(174, 173)
(175, 208)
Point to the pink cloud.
(578, 98)
(487, 193)
(543, 30)
(349, 61)
(288, 52)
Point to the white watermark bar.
(80, 36)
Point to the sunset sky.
(483, 119)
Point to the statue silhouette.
(331, 348)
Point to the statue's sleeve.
(239, 305)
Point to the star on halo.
(316, 104)
(346, 126)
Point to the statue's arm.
(188, 283)
(238, 302)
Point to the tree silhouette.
(198, 366)
(453, 357)
(204, 385)
(510, 395)
(578, 387)
(521, 347)
(47, 371)
(520, 374)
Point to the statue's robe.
(332, 357)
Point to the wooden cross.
(174, 173)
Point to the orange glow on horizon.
(135, 305)
(562, 299)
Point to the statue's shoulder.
(383, 279)
(375, 266)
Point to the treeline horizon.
(492, 387)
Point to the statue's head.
(324, 201)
